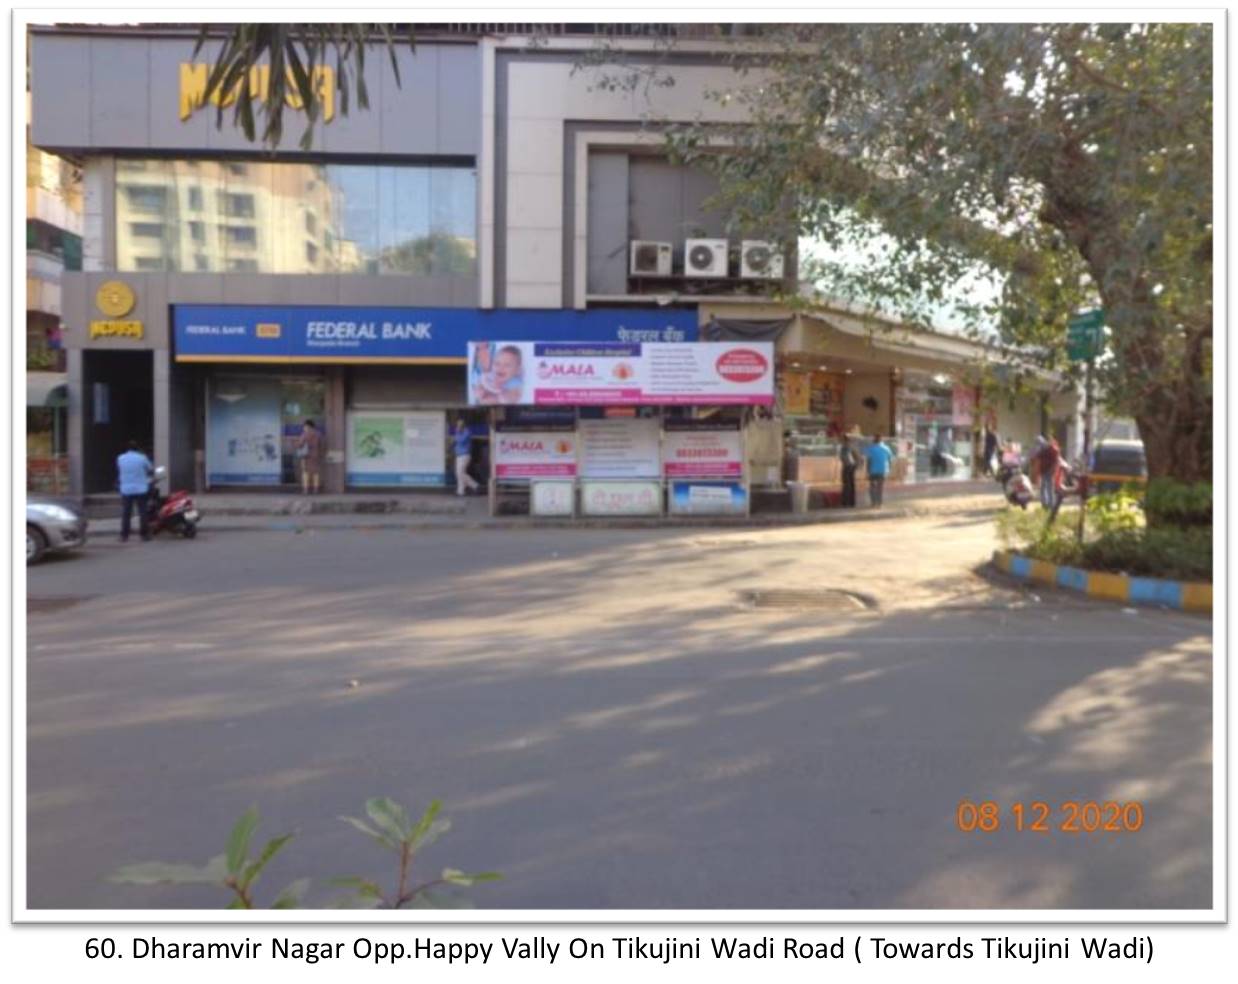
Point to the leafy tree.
(293, 52)
(1073, 161)
(437, 252)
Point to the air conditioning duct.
(705, 258)
(760, 260)
(649, 259)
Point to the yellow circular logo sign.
(115, 299)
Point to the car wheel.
(36, 545)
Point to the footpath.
(281, 512)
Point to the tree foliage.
(1074, 161)
(293, 53)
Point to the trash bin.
(799, 497)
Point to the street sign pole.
(1087, 414)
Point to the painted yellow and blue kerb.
(1185, 595)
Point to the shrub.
(1173, 503)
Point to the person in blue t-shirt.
(133, 475)
(462, 443)
(879, 457)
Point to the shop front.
(382, 385)
(625, 429)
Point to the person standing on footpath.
(991, 444)
(463, 444)
(133, 475)
(879, 457)
(309, 453)
(850, 458)
(1046, 461)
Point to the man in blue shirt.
(879, 457)
(462, 442)
(133, 474)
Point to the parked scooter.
(175, 513)
(1016, 486)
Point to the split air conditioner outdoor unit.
(649, 259)
(759, 260)
(704, 258)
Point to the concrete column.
(161, 393)
(333, 463)
(76, 417)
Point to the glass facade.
(231, 216)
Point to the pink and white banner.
(702, 454)
(618, 373)
(535, 454)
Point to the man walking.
(879, 457)
(850, 458)
(133, 474)
(463, 443)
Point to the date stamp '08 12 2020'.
(1071, 817)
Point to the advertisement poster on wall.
(708, 498)
(392, 447)
(611, 374)
(621, 498)
(535, 454)
(552, 498)
(703, 454)
(623, 448)
(243, 432)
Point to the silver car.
(52, 525)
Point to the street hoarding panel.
(284, 334)
(534, 454)
(243, 432)
(546, 373)
(391, 447)
(621, 498)
(708, 498)
(703, 454)
(622, 448)
(551, 498)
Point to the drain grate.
(815, 599)
(49, 606)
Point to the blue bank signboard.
(244, 333)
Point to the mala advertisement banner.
(612, 374)
(535, 454)
(397, 448)
(703, 454)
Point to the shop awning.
(47, 389)
(737, 330)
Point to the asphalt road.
(611, 721)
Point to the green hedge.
(1112, 543)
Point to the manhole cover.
(816, 599)
(47, 606)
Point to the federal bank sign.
(235, 333)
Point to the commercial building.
(501, 192)
(53, 246)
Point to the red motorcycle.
(174, 512)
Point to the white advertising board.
(551, 498)
(621, 498)
(623, 448)
(396, 447)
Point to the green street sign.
(1085, 336)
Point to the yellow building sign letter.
(195, 76)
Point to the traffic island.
(1188, 596)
